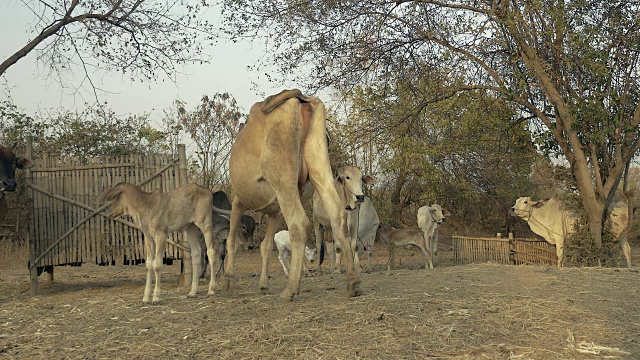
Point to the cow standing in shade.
(554, 223)
(429, 219)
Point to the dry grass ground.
(482, 311)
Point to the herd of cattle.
(278, 161)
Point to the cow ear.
(368, 179)
(538, 204)
(340, 179)
(445, 212)
(24, 163)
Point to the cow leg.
(316, 156)
(161, 239)
(560, 253)
(392, 252)
(338, 253)
(626, 251)
(150, 250)
(192, 235)
(434, 248)
(429, 253)
(282, 262)
(237, 209)
(298, 225)
(266, 247)
(331, 254)
(319, 239)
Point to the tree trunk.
(593, 206)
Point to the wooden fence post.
(185, 269)
(33, 272)
(512, 253)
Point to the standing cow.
(429, 218)
(554, 223)
(348, 185)
(282, 148)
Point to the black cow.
(221, 230)
(9, 162)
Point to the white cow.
(429, 217)
(283, 242)
(554, 223)
(348, 184)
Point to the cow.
(363, 226)
(395, 238)
(554, 223)
(283, 243)
(9, 162)
(348, 184)
(157, 214)
(221, 231)
(281, 151)
(429, 219)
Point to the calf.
(429, 218)
(402, 237)
(283, 242)
(221, 231)
(157, 213)
(9, 162)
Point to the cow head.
(350, 179)
(523, 207)
(9, 162)
(310, 254)
(247, 227)
(438, 214)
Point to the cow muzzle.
(359, 198)
(9, 185)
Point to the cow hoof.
(211, 293)
(287, 295)
(155, 302)
(264, 290)
(354, 288)
(227, 283)
(191, 296)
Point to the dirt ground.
(480, 311)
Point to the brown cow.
(282, 148)
(395, 238)
(157, 214)
(9, 162)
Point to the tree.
(94, 131)
(136, 37)
(213, 126)
(570, 67)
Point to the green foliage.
(94, 131)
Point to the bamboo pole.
(33, 272)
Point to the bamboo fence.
(467, 250)
(68, 226)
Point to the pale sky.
(32, 92)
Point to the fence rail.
(510, 250)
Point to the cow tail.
(321, 255)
